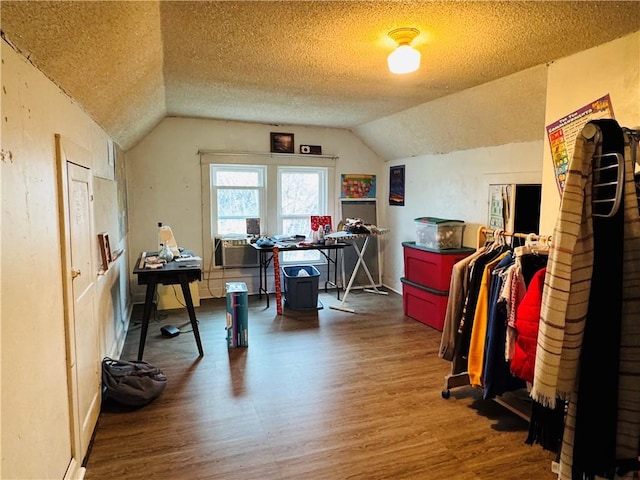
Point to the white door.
(85, 325)
(79, 269)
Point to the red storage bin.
(431, 268)
(423, 304)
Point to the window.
(282, 191)
(237, 193)
(302, 192)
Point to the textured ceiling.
(130, 64)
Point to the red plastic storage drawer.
(431, 268)
(423, 304)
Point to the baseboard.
(391, 289)
(75, 470)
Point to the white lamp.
(404, 59)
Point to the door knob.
(75, 273)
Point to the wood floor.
(316, 395)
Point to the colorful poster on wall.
(562, 134)
(357, 186)
(396, 185)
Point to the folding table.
(266, 256)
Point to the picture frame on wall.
(357, 185)
(396, 185)
(282, 142)
(105, 250)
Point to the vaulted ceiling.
(322, 63)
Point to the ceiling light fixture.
(405, 58)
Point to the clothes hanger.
(534, 247)
(544, 244)
(498, 240)
(527, 248)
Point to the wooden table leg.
(148, 304)
(184, 283)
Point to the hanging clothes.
(570, 300)
(597, 385)
(475, 360)
(546, 426)
(496, 375)
(458, 288)
(514, 290)
(526, 328)
(488, 322)
(485, 365)
(465, 327)
(525, 267)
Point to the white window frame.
(312, 256)
(269, 223)
(213, 189)
(322, 201)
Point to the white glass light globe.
(404, 59)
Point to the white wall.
(36, 439)
(164, 178)
(454, 186)
(575, 81)
(453, 148)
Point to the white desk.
(346, 237)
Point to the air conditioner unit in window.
(234, 252)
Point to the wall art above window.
(282, 142)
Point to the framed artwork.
(357, 186)
(282, 142)
(396, 185)
(105, 250)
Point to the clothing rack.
(605, 193)
(511, 401)
(484, 233)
